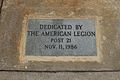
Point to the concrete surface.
(10, 30)
(11, 25)
(1, 1)
(60, 76)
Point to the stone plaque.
(61, 37)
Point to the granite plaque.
(61, 37)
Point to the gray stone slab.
(60, 76)
(65, 39)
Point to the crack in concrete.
(1, 4)
(60, 71)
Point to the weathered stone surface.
(59, 76)
(14, 12)
(0, 4)
(0, 1)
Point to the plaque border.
(23, 58)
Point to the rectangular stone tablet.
(61, 37)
